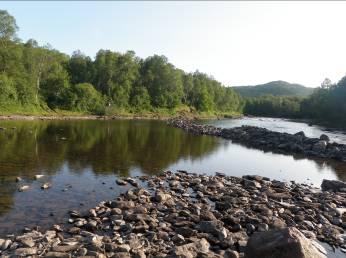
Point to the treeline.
(274, 106)
(34, 77)
(326, 104)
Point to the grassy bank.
(158, 113)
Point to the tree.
(8, 93)
(8, 27)
(326, 84)
(140, 98)
(80, 68)
(84, 97)
(163, 81)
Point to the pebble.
(188, 215)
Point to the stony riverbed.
(265, 139)
(190, 215)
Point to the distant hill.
(275, 88)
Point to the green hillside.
(275, 88)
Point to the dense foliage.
(271, 106)
(38, 78)
(328, 103)
(275, 88)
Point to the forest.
(37, 79)
(326, 104)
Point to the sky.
(238, 43)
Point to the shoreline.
(76, 117)
(188, 215)
(267, 140)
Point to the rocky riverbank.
(190, 215)
(267, 140)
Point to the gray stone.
(285, 243)
(319, 146)
(324, 137)
(25, 251)
(333, 185)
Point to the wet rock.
(320, 146)
(18, 179)
(262, 227)
(121, 182)
(46, 186)
(23, 188)
(324, 137)
(38, 176)
(264, 139)
(285, 243)
(333, 185)
(251, 183)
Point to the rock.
(121, 255)
(178, 239)
(38, 176)
(324, 137)
(18, 179)
(333, 185)
(263, 227)
(123, 248)
(231, 254)
(121, 182)
(5, 243)
(65, 248)
(57, 255)
(284, 243)
(122, 205)
(191, 250)
(23, 188)
(27, 242)
(46, 186)
(251, 183)
(213, 227)
(320, 146)
(162, 197)
(26, 251)
(301, 133)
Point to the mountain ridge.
(275, 88)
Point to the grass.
(154, 113)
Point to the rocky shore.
(190, 215)
(267, 140)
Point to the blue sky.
(239, 43)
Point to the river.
(82, 159)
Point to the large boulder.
(333, 186)
(284, 243)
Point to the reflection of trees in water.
(108, 147)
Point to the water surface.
(82, 160)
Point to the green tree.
(163, 81)
(84, 97)
(8, 27)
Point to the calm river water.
(81, 159)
